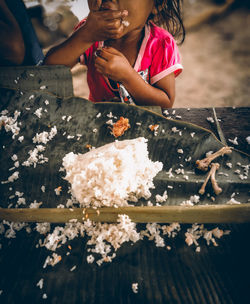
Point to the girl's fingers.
(104, 55)
(100, 69)
(115, 33)
(99, 61)
(110, 51)
(95, 5)
(111, 15)
(115, 24)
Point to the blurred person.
(128, 56)
(19, 44)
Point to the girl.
(127, 55)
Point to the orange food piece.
(120, 127)
(153, 127)
(88, 146)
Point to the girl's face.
(138, 10)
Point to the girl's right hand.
(101, 25)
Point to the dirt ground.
(216, 60)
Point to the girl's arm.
(68, 52)
(99, 26)
(161, 94)
(12, 48)
(114, 65)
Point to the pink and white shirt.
(158, 53)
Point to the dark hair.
(169, 16)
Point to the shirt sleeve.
(166, 60)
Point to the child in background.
(19, 44)
(127, 55)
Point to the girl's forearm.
(145, 94)
(68, 52)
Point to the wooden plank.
(229, 118)
(164, 214)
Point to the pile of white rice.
(113, 174)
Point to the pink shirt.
(158, 53)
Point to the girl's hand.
(103, 24)
(94, 5)
(112, 64)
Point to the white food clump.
(125, 23)
(9, 123)
(73, 268)
(10, 231)
(38, 112)
(42, 228)
(12, 178)
(110, 122)
(112, 174)
(194, 199)
(233, 201)
(161, 198)
(21, 138)
(40, 283)
(53, 260)
(44, 137)
(234, 141)
(169, 172)
(175, 130)
(14, 157)
(197, 231)
(90, 258)
(210, 119)
(35, 157)
(135, 287)
(35, 205)
(104, 238)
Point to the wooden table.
(234, 122)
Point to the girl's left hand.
(112, 64)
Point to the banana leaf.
(27, 78)
(74, 133)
